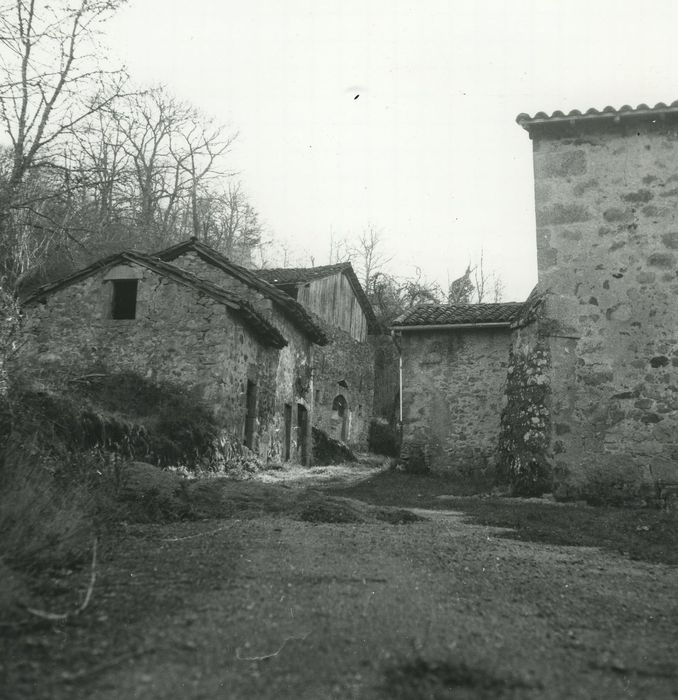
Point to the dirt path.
(271, 607)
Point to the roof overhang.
(450, 326)
(608, 117)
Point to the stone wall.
(178, 335)
(291, 378)
(453, 395)
(344, 368)
(607, 233)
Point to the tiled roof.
(301, 275)
(288, 306)
(261, 327)
(611, 114)
(458, 315)
(283, 276)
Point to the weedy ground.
(359, 582)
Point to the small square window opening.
(124, 304)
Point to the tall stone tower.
(606, 195)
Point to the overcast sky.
(397, 113)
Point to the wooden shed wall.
(333, 299)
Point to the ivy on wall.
(524, 441)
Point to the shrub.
(416, 457)
(124, 413)
(327, 450)
(383, 438)
(42, 525)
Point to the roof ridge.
(249, 277)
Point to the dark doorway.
(250, 413)
(288, 431)
(124, 305)
(340, 417)
(302, 432)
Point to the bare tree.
(391, 296)
(366, 254)
(196, 149)
(487, 284)
(50, 82)
(229, 223)
(174, 157)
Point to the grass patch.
(420, 679)
(641, 533)
(319, 508)
(409, 490)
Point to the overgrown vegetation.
(525, 424)
(122, 413)
(81, 454)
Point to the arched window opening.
(340, 417)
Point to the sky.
(399, 114)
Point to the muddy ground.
(262, 604)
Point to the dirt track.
(270, 607)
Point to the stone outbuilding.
(605, 335)
(344, 369)
(454, 361)
(244, 346)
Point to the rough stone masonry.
(606, 198)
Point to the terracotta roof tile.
(641, 111)
(458, 314)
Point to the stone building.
(454, 360)
(247, 348)
(603, 340)
(344, 369)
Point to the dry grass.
(42, 525)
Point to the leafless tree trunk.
(487, 284)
